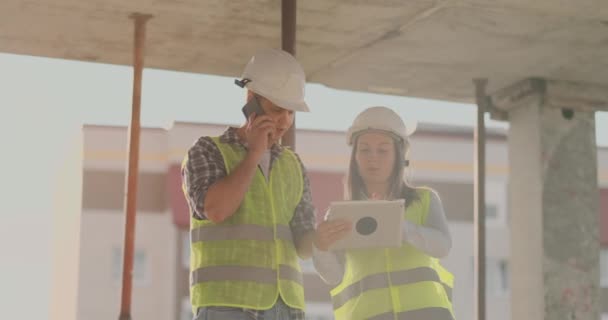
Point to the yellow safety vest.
(249, 259)
(397, 283)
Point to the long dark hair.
(399, 188)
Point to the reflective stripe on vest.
(381, 280)
(240, 273)
(240, 232)
(446, 278)
(420, 314)
(448, 291)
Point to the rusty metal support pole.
(133, 166)
(288, 43)
(480, 200)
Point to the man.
(252, 213)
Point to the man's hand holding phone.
(260, 130)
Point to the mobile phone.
(253, 106)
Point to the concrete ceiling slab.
(418, 48)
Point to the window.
(496, 203)
(503, 270)
(140, 266)
(497, 275)
(604, 268)
(491, 211)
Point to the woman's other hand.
(328, 232)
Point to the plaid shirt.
(205, 166)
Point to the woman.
(393, 283)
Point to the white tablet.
(376, 223)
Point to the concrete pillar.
(554, 197)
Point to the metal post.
(480, 200)
(288, 43)
(133, 166)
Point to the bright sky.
(44, 103)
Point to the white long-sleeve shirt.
(432, 238)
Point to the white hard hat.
(381, 119)
(277, 76)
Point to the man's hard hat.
(277, 76)
(380, 119)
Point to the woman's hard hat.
(277, 76)
(380, 119)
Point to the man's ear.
(249, 95)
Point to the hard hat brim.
(354, 132)
(293, 106)
(297, 106)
